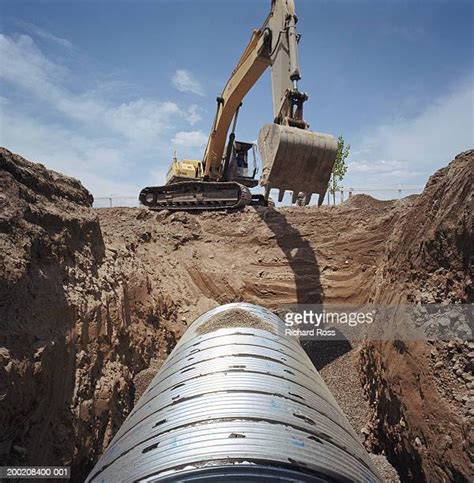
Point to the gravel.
(337, 363)
(234, 318)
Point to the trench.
(105, 294)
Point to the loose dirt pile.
(92, 301)
(234, 318)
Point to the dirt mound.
(234, 318)
(366, 201)
(92, 301)
(34, 202)
(429, 251)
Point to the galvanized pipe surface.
(236, 400)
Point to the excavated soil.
(92, 301)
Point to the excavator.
(293, 157)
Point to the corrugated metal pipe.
(236, 400)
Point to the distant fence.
(115, 201)
(382, 193)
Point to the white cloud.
(92, 160)
(25, 66)
(83, 134)
(184, 81)
(190, 139)
(408, 151)
(194, 115)
(382, 168)
(141, 120)
(44, 34)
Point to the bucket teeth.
(267, 192)
(294, 197)
(281, 195)
(307, 198)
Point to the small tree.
(340, 168)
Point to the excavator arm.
(294, 158)
(274, 44)
(252, 64)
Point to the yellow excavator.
(293, 158)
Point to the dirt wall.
(74, 327)
(422, 394)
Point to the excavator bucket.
(297, 160)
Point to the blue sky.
(106, 90)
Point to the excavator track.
(196, 195)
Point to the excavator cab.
(242, 165)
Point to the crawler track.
(196, 195)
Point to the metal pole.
(236, 400)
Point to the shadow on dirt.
(299, 253)
(323, 352)
(304, 264)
